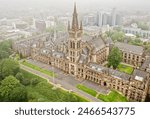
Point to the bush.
(34, 81)
(19, 76)
(25, 82)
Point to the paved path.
(64, 85)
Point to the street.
(66, 81)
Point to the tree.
(8, 67)
(6, 87)
(114, 58)
(3, 54)
(5, 49)
(116, 35)
(19, 76)
(143, 25)
(34, 81)
(22, 80)
(12, 90)
(19, 94)
(25, 82)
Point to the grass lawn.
(47, 72)
(87, 90)
(113, 96)
(125, 69)
(44, 92)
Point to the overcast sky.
(82, 4)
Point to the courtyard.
(125, 68)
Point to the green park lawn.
(45, 92)
(113, 96)
(125, 68)
(87, 90)
(47, 72)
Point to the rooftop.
(130, 48)
(146, 64)
(58, 54)
(113, 73)
(139, 75)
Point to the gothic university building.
(84, 56)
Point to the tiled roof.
(130, 48)
(139, 75)
(113, 73)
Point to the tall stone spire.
(75, 25)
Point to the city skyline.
(82, 4)
(83, 47)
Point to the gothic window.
(73, 45)
(70, 44)
(78, 45)
(72, 67)
(73, 59)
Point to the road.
(65, 85)
(66, 78)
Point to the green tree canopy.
(8, 67)
(114, 58)
(19, 76)
(3, 54)
(116, 35)
(12, 90)
(143, 25)
(5, 49)
(19, 94)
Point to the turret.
(81, 27)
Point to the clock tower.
(74, 45)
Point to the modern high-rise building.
(118, 19)
(113, 17)
(100, 19)
(89, 20)
(105, 19)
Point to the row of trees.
(11, 88)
